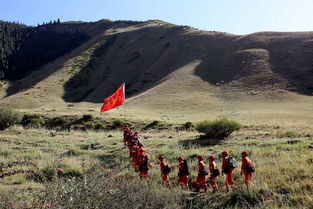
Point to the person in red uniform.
(128, 137)
(127, 131)
(214, 172)
(201, 178)
(183, 172)
(229, 182)
(144, 164)
(134, 141)
(134, 156)
(165, 170)
(140, 150)
(247, 168)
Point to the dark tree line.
(24, 48)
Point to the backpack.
(166, 170)
(231, 162)
(185, 171)
(216, 172)
(205, 172)
(250, 169)
(144, 166)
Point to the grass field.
(282, 156)
(173, 74)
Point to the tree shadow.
(201, 141)
(113, 161)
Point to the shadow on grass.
(113, 161)
(201, 141)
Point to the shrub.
(98, 126)
(218, 129)
(32, 121)
(116, 124)
(87, 117)
(188, 125)
(61, 122)
(152, 125)
(8, 118)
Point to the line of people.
(141, 164)
(137, 153)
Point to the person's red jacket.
(245, 163)
(212, 166)
(201, 166)
(163, 164)
(225, 163)
(181, 166)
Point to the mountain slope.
(176, 72)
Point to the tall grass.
(283, 177)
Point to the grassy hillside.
(174, 73)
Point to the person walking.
(214, 173)
(247, 168)
(202, 173)
(228, 167)
(144, 164)
(183, 172)
(165, 170)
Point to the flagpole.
(124, 112)
(124, 103)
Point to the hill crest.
(157, 59)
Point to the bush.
(32, 121)
(61, 122)
(8, 118)
(152, 125)
(218, 129)
(87, 117)
(98, 126)
(188, 125)
(116, 124)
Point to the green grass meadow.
(72, 175)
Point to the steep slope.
(176, 72)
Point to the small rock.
(96, 145)
(52, 134)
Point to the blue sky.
(233, 16)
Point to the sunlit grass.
(284, 170)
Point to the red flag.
(116, 99)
